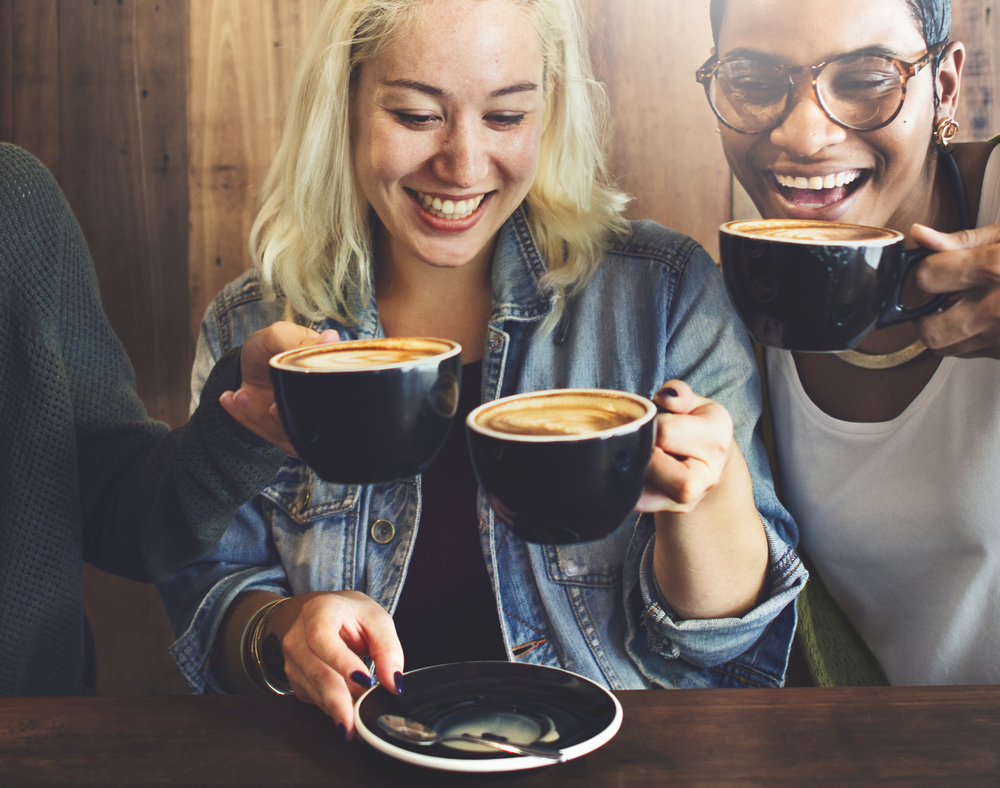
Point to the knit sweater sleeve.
(151, 499)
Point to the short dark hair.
(933, 17)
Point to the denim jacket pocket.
(305, 498)
(586, 564)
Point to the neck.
(935, 206)
(417, 299)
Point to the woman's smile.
(808, 166)
(451, 209)
(808, 192)
(446, 131)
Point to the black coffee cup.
(563, 465)
(817, 286)
(369, 410)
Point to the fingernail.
(669, 392)
(397, 679)
(361, 679)
(242, 399)
(342, 731)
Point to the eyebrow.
(746, 52)
(430, 90)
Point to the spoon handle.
(516, 749)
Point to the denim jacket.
(656, 309)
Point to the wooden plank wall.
(159, 118)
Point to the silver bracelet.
(251, 643)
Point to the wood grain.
(975, 23)
(122, 68)
(29, 106)
(902, 736)
(243, 57)
(665, 151)
(6, 70)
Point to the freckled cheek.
(518, 157)
(393, 158)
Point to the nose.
(463, 159)
(806, 128)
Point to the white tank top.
(902, 518)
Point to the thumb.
(963, 239)
(285, 335)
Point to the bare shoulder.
(971, 158)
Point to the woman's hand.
(253, 405)
(967, 263)
(323, 644)
(710, 555)
(694, 440)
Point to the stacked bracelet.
(253, 665)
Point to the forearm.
(712, 562)
(154, 501)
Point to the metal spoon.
(416, 733)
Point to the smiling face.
(446, 127)
(809, 167)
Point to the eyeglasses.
(856, 91)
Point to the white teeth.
(817, 182)
(450, 209)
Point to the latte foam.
(815, 232)
(362, 354)
(560, 414)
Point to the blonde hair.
(311, 240)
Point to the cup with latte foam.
(563, 465)
(818, 286)
(371, 410)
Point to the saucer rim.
(503, 762)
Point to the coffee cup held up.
(563, 465)
(818, 286)
(372, 410)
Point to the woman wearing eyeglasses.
(888, 455)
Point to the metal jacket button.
(383, 531)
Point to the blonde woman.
(441, 174)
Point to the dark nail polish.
(361, 679)
(397, 679)
(669, 392)
(342, 731)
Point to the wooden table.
(901, 736)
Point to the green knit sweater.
(85, 474)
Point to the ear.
(949, 78)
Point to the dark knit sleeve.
(174, 495)
(151, 499)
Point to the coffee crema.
(554, 415)
(807, 231)
(364, 354)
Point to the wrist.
(260, 653)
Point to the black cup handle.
(894, 312)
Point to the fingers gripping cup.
(817, 286)
(370, 410)
(562, 466)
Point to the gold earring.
(945, 131)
